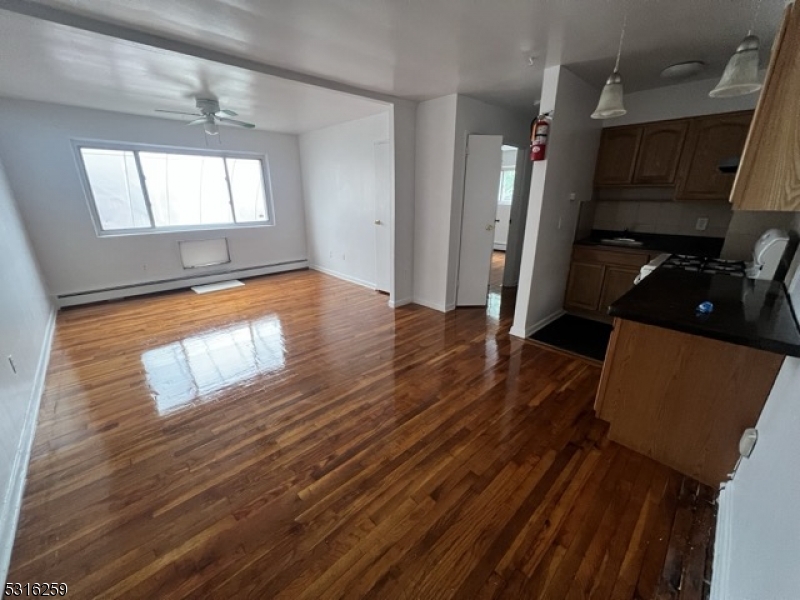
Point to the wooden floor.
(296, 438)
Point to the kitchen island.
(680, 386)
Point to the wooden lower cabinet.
(682, 399)
(585, 285)
(599, 276)
(616, 282)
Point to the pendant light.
(610, 104)
(741, 73)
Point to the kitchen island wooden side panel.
(682, 399)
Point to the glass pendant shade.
(741, 74)
(610, 104)
(211, 126)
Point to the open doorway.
(502, 223)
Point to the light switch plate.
(702, 224)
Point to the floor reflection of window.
(194, 369)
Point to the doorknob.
(378, 222)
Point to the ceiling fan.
(209, 114)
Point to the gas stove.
(700, 264)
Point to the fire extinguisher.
(539, 131)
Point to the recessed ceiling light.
(683, 69)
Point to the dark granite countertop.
(657, 242)
(748, 312)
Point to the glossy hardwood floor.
(297, 438)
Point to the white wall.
(36, 149)
(476, 117)
(339, 189)
(688, 99)
(26, 322)
(404, 122)
(435, 156)
(443, 126)
(552, 216)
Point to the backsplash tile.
(674, 218)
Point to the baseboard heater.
(149, 287)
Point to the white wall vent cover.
(204, 253)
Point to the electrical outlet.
(702, 224)
(559, 222)
(342, 255)
(11, 362)
(572, 197)
(331, 256)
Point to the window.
(506, 193)
(141, 189)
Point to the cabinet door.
(769, 174)
(660, 152)
(584, 286)
(617, 281)
(617, 155)
(711, 139)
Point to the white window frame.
(77, 145)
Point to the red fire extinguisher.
(539, 131)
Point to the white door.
(502, 220)
(383, 215)
(481, 182)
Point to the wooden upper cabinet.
(659, 152)
(711, 140)
(616, 158)
(769, 173)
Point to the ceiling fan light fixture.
(610, 104)
(741, 73)
(210, 126)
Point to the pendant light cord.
(622, 37)
(755, 16)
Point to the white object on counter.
(767, 254)
(650, 267)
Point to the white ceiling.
(54, 63)
(414, 49)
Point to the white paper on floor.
(217, 287)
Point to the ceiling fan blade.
(178, 112)
(235, 122)
(225, 111)
(197, 121)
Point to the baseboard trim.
(720, 571)
(430, 304)
(342, 276)
(139, 289)
(399, 303)
(531, 329)
(10, 508)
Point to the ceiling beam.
(154, 40)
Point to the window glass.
(247, 187)
(180, 190)
(506, 194)
(186, 190)
(116, 188)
